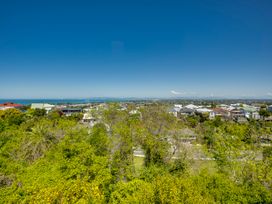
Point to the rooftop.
(10, 104)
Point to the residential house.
(89, 119)
(255, 116)
(9, 105)
(186, 111)
(175, 110)
(46, 106)
(236, 105)
(178, 106)
(236, 113)
(69, 111)
(249, 110)
(203, 110)
(219, 112)
(192, 106)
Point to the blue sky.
(136, 48)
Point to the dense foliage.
(56, 159)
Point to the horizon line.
(145, 98)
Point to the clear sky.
(135, 48)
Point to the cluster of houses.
(237, 112)
(67, 110)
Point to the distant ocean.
(105, 100)
(68, 101)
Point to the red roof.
(220, 110)
(10, 104)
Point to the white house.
(89, 119)
(46, 106)
(192, 106)
(178, 106)
(203, 110)
(133, 112)
(256, 116)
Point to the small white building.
(256, 116)
(133, 112)
(203, 110)
(89, 119)
(178, 106)
(46, 106)
(192, 106)
(236, 105)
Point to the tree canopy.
(51, 158)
